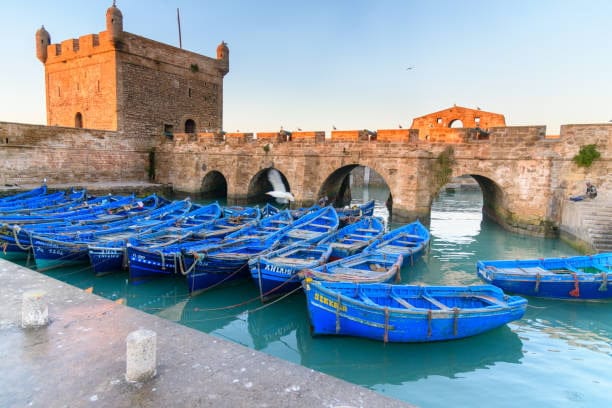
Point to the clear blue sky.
(319, 63)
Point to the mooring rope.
(17, 242)
(604, 282)
(386, 335)
(338, 300)
(456, 311)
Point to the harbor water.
(558, 355)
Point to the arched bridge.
(524, 176)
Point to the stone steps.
(599, 227)
(597, 220)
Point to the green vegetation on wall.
(586, 156)
(443, 167)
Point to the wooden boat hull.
(49, 253)
(354, 237)
(108, 259)
(276, 273)
(342, 308)
(145, 264)
(223, 263)
(366, 267)
(571, 278)
(410, 241)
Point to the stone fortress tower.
(119, 81)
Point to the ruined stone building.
(444, 125)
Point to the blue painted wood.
(353, 238)
(410, 241)
(161, 253)
(584, 277)
(406, 313)
(110, 256)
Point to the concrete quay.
(79, 359)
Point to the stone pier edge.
(79, 359)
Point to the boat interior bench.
(300, 233)
(533, 270)
(319, 225)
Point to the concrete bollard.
(141, 355)
(34, 309)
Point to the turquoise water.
(558, 355)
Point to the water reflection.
(578, 324)
(371, 363)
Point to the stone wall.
(80, 77)
(524, 175)
(30, 153)
(164, 85)
(135, 85)
(438, 126)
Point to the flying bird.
(410, 67)
(279, 191)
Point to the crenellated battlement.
(496, 135)
(83, 46)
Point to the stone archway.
(493, 196)
(78, 120)
(346, 184)
(214, 185)
(260, 184)
(190, 126)
(455, 124)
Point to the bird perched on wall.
(279, 191)
(333, 127)
(400, 126)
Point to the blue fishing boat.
(586, 277)
(409, 240)
(25, 204)
(110, 256)
(59, 199)
(276, 273)
(311, 227)
(365, 267)
(222, 263)
(350, 214)
(268, 210)
(108, 210)
(353, 238)
(407, 313)
(263, 227)
(161, 252)
(302, 211)
(307, 230)
(15, 236)
(35, 192)
(73, 246)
